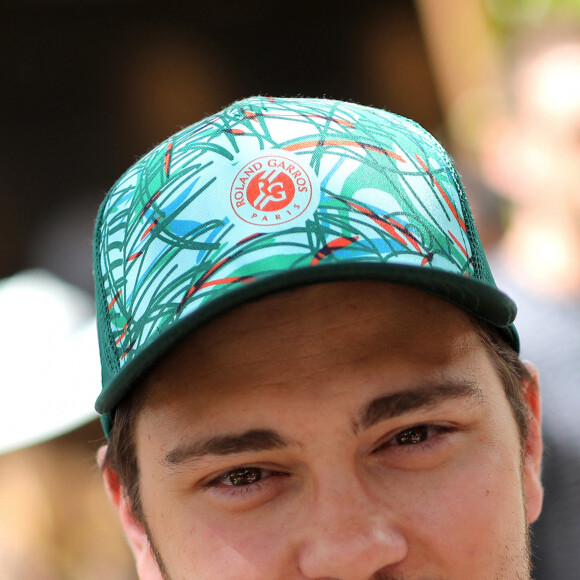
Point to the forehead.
(297, 339)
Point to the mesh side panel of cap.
(481, 267)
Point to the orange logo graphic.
(271, 190)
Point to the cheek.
(197, 544)
(466, 516)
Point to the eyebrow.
(422, 398)
(374, 412)
(252, 440)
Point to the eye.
(242, 476)
(413, 435)
(420, 437)
(245, 483)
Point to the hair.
(513, 374)
(121, 455)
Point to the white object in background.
(49, 363)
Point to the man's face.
(349, 431)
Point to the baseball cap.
(271, 194)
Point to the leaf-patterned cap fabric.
(269, 194)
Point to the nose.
(349, 535)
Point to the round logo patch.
(271, 190)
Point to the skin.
(369, 432)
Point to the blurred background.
(88, 86)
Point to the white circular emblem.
(272, 190)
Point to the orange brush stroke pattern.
(332, 247)
(148, 230)
(115, 298)
(343, 143)
(443, 194)
(388, 227)
(167, 159)
(459, 245)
